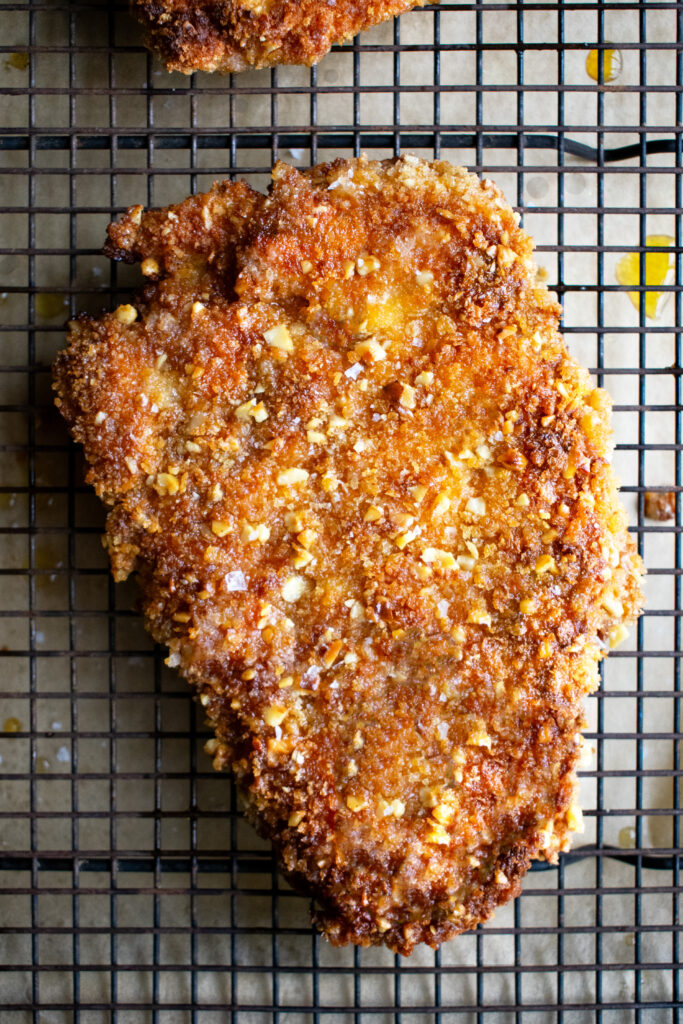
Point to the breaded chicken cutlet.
(368, 496)
(232, 35)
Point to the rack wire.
(130, 888)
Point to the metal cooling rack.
(129, 889)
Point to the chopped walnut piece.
(404, 539)
(442, 503)
(275, 715)
(391, 808)
(367, 265)
(332, 653)
(251, 410)
(307, 538)
(302, 558)
(373, 514)
(166, 483)
(545, 563)
(150, 267)
(575, 822)
(407, 397)
(278, 337)
(505, 257)
(254, 534)
(444, 813)
(617, 635)
(221, 527)
(425, 379)
(329, 482)
(437, 835)
(294, 475)
(478, 737)
(477, 506)
(442, 559)
(370, 350)
(402, 520)
(126, 314)
(294, 521)
(293, 588)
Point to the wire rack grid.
(130, 888)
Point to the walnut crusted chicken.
(368, 496)
(231, 35)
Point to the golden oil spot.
(627, 838)
(18, 61)
(8, 500)
(42, 765)
(12, 725)
(50, 305)
(47, 557)
(657, 268)
(611, 65)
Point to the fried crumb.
(660, 505)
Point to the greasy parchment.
(96, 712)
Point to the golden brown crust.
(368, 495)
(231, 35)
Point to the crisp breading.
(232, 35)
(368, 496)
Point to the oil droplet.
(42, 764)
(629, 939)
(12, 725)
(19, 61)
(611, 65)
(657, 267)
(50, 304)
(575, 183)
(627, 838)
(47, 557)
(537, 187)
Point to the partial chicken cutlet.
(232, 35)
(368, 496)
